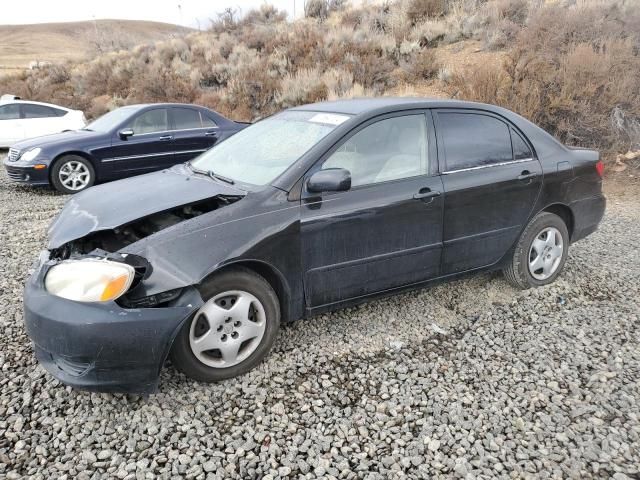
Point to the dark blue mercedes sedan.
(127, 141)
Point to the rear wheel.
(233, 331)
(540, 253)
(72, 174)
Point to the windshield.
(262, 151)
(109, 121)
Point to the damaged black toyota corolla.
(315, 208)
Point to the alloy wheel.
(74, 175)
(227, 329)
(545, 253)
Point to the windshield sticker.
(329, 118)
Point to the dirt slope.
(58, 42)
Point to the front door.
(149, 148)
(491, 181)
(386, 231)
(11, 125)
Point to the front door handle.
(164, 138)
(527, 175)
(426, 194)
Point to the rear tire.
(72, 174)
(540, 254)
(233, 331)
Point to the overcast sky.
(184, 12)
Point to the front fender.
(189, 254)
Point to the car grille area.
(17, 174)
(14, 154)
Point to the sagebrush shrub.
(422, 9)
(424, 65)
(572, 71)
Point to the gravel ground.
(469, 379)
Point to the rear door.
(150, 148)
(491, 180)
(11, 128)
(193, 133)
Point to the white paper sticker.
(329, 118)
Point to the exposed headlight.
(30, 154)
(89, 280)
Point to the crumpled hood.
(107, 206)
(56, 139)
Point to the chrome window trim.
(171, 131)
(160, 154)
(479, 167)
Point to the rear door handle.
(526, 175)
(166, 137)
(211, 134)
(426, 194)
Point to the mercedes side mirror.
(329, 180)
(125, 133)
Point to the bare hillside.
(59, 42)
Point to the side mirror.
(329, 180)
(125, 133)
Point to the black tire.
(238, 278)
(64, 160)
(517, 271)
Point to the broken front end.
(93, 321)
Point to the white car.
(21, 119)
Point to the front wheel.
(540, 253)
(72, 174)
(233, 331)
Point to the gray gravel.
(469, 379)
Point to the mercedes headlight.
(30, 154)
(89, 280)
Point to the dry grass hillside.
(570, 66)
(74, 41)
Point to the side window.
(30, 110)
(58, 112)
(390, 149)
(186, 118)
(521, 150)
(150, 122)
(10, 112)
(474, 140)
(207, 122)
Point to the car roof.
(164, 104)
(357, 106)
(5, 102)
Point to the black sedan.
(125, 142)
(313, 209)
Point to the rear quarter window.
(207, 122)
(521, 150)
(474, 140)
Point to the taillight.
(600, 168)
